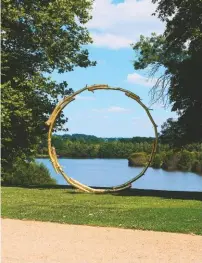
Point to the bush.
(197, 167)
(157, 161)
(138, 159)
(27, 173)
(185, 160)
(170, 161)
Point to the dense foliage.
(170, 160)
(138, 159)
(177, 56)
(38, 37)
(25, 173)
(81, 146)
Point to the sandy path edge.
(46, 242)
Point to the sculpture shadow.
(186, 195)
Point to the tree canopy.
(38, 37)
(177, 56)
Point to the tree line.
(136, 150)
(88, 146)
(170, 160)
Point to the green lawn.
(137, 212)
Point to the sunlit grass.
(137, 212)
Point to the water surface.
(111, 172)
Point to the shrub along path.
(135, 212)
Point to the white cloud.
(79, 97)
(138, 79)
(111, 41)
(112, 109)
(91, 117)
(117, 109)
(117, 25)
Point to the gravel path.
(38, 242)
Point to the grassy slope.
(66, 206)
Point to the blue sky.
(115, 25)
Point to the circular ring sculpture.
(52, 153)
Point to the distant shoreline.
(114, 158)
(70, 157)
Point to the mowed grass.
(135, 212)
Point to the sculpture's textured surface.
(52, 152)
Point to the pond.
(111, 172)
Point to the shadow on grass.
(129, 192)
(162, 193)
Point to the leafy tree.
(178, 54)
(138, 159)
(171, 133)
(38, 37)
